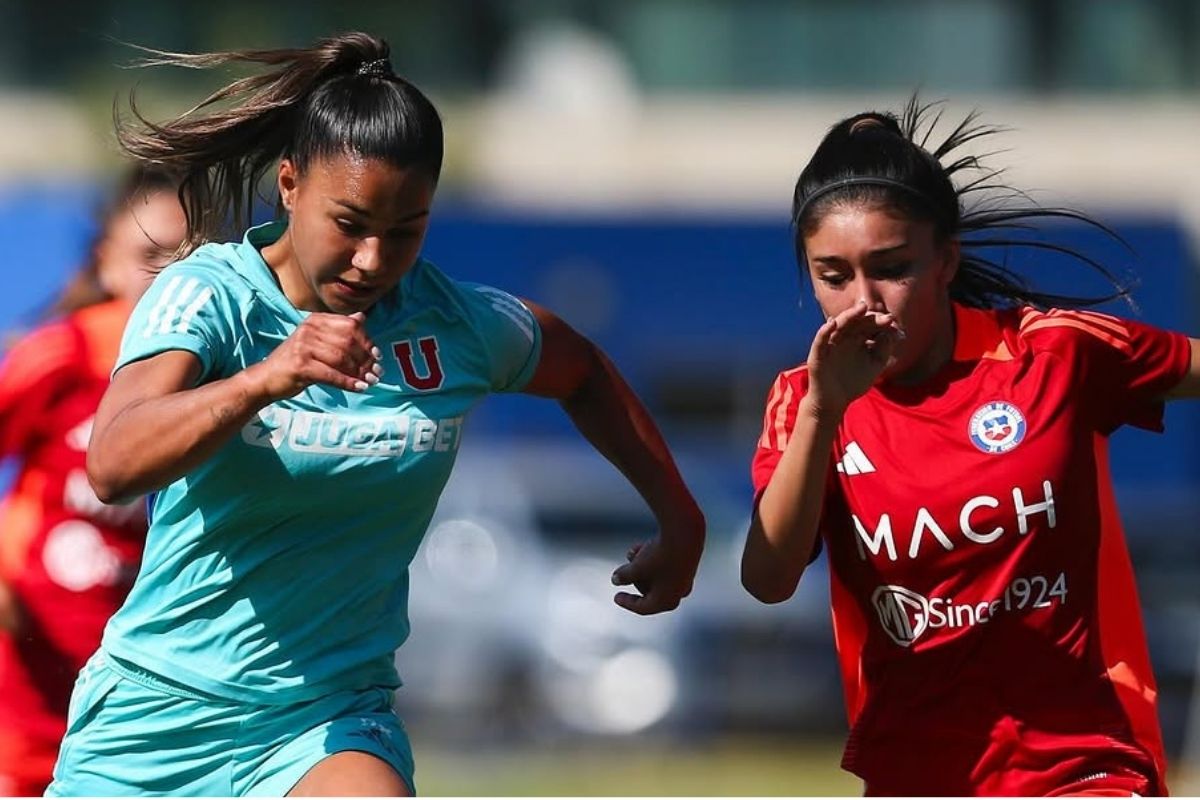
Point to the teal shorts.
(130, 732)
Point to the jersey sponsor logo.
(434, 377)
(905, 615)
(881, 540)
(389, 435)
(855, 461)
(180, 301)
(996, 427)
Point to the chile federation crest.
(997, 427)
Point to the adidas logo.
(855, 462)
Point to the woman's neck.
(281, 259)
(938, 354)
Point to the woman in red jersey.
(946, 440)
(66, 559)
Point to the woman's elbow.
(768, 587)
(107, 483)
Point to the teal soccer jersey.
(277, 571)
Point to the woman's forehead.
(857, 221)
(351, 179)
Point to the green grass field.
(743, 767)
(747, 767)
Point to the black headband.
(862, 181)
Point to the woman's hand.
(848, 354)
(662, 569)
(155, 424)
(332, 349)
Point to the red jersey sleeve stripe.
(780, 416)
(1122, 641)
(774, 400)
(1113, 325)
(783, 417)
(1103, 335)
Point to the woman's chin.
(342, 304)
(893, 371)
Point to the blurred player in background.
(946, 441)
(66, 559)
(296, 401)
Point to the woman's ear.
(288, 179)
(951, 256)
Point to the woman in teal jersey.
(294, 402)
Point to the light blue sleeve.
(186, 308)
(511, 336)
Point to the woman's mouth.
(354, 290)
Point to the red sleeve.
(1123, 368)
(32, 375)
(778, 422)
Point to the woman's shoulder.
(1067, 327)
(1004, 333)
(466, 299)
(215, 267)
(793, 379)
(212, 257)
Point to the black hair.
(879, 158)
(338, 96)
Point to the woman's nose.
(868, 292)
(368, 256)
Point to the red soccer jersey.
(68, 558)
(985, 613)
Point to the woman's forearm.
(142, 445)
(612, 418)
(783, 531)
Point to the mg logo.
(904, 614)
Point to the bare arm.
(606, 411)
(1189, 387)
(842, 366)
(783, 530)
(154, 425)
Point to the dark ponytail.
(339, 95)
(879, 158)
